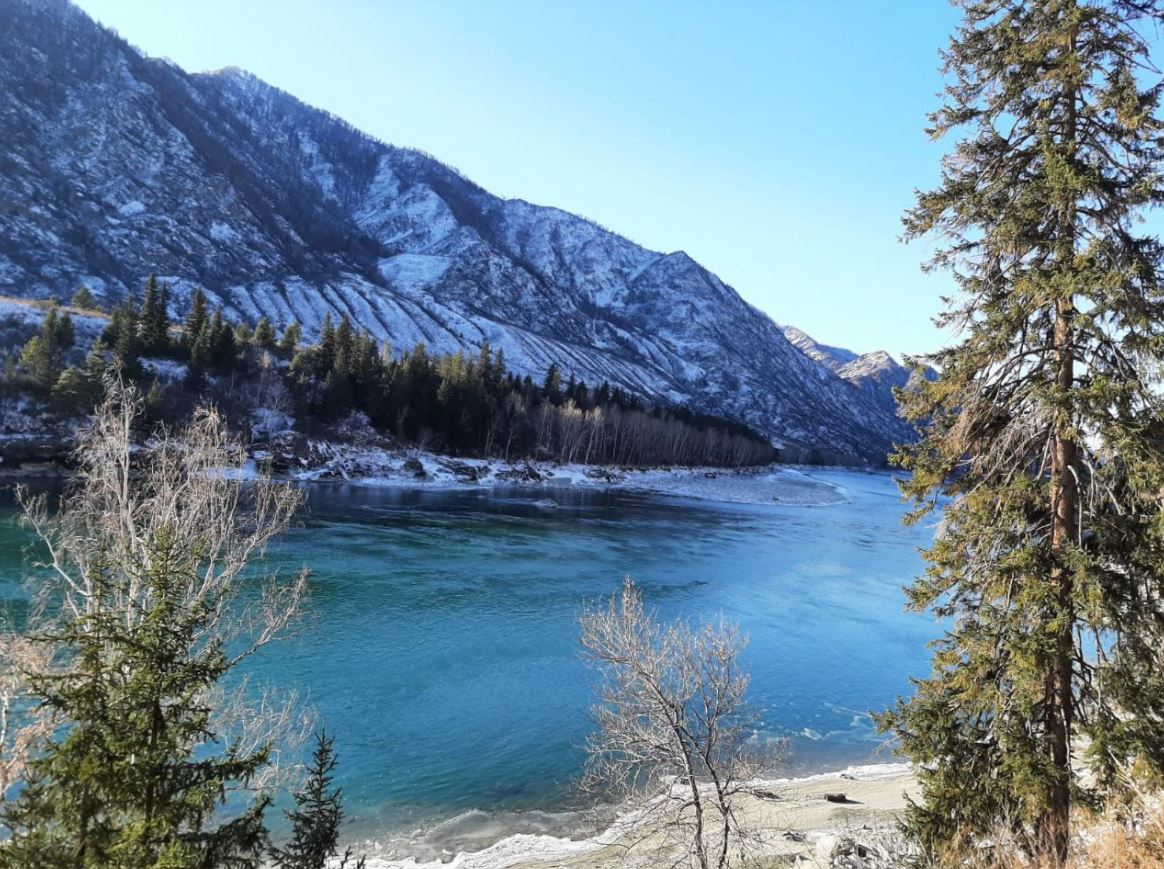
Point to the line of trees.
(463, 404)
(469, 404)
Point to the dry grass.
(1134, 841)
(45, 304)
(1114, 844)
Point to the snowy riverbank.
(374, 466)
(785, 819)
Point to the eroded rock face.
(861, 848)
(119, 165)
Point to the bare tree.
(183, 485)
(22, 723)
(675, 737)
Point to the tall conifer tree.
(197, 318)
(552, 385)
(1042, 429)
(43, 355)
(154, 317)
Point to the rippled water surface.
(441, 644)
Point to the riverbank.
(375, 466)
(452, 613)
(786, 820)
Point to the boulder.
(526, 473)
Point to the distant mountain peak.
(831, 357)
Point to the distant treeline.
(462, 404)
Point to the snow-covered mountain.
(115, 165)
(876, 374)
(830, 357)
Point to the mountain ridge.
(121, 165)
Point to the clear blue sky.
(778, 143)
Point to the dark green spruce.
(317, 816)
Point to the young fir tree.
(145, 555)
(317, 816)
(264, 336)
(123, 334)
(79, 389)
(214, 347)
(290, 339)
(1042, 430)
(73, 391)
(243, 334)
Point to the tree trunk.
(1054, 825)
(1055, 822)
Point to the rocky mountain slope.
(116, 165)
(876, 374)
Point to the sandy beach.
(788, 820)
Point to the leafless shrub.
(189, 485)
(254, 717)
(675, 738)
(22, 724)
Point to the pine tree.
(317, 816)
(552, 385)
(1041, 430)
(154, 318)
(43, 356)
(197, 318)
(264, 337)
(83, 299)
